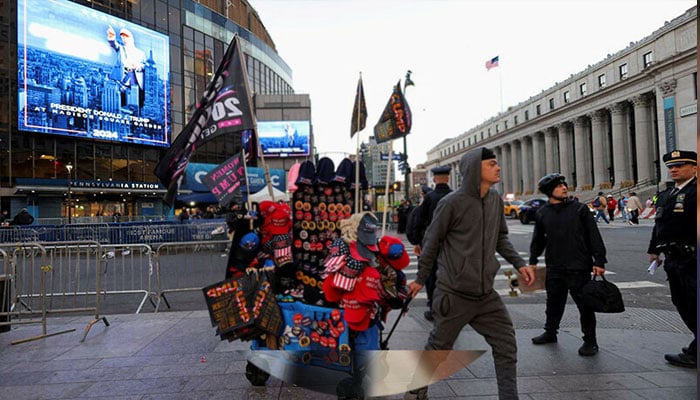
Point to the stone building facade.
(604, 128)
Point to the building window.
(527, 115)
(482, 135)
(695, 85)
(551, 103)
(538, 109)
(515, 120)
(505, 125)
(582, 89)
(648, 59)
(567, 96)
(623, 71)
(601, 81)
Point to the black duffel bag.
(602, 296)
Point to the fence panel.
(66, 279)
(188, 267)
(128, 269)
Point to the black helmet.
(547, 184)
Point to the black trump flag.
(395, 121)
(225, 108)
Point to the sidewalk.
(175, 355)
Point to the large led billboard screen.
(284, 138)
(86, 74)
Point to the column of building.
(526, 163)
(601, 163)
(584, 180)
(642, 127)
(551, 154)
(566, 152)
(618, 112)
(538, 159)
(515, 165)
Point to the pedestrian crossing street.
(501, 281)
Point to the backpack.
(415, 228)
(596, 202)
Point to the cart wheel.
(255, 375)
(350, 389)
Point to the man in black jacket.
(23, 218)
(574, 250)
(674, 236)
(441, 176)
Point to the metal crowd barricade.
(69, 280)
(188, 267)
(24, 257)
(129, 269)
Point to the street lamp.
(69, 167)
(406, 83)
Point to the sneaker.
(681, 360)
(429, 315)
(417, 394)
(547, 337)
(588, 349)
(687, 351)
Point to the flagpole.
(386, 183)
(500, 86)
(255, 135)
(357, 155)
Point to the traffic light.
(396, 186)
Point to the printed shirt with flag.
(225, 108)
(359, 110)
(492, 63)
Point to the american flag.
(492, 63)
(338, 252)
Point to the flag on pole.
(395, 121)
(492, 63)
(225, 108)
(225, 180)
(359, 110)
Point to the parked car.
(529, 208)
(511, 208)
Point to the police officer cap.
(441, 170)
(680, 157)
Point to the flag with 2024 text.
(225, 108)
(395, 121)
(359, 110)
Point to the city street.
(627, 267)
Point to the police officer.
(674, 236)
(441, 177)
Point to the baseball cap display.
(367, 235)
(393, 252)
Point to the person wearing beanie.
(468, 228)
(574, 249)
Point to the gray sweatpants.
(489, 317)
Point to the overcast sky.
(446, 43)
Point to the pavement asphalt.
(177, 355)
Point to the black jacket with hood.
(570, 235)
(465, 234)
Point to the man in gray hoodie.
(467, 230)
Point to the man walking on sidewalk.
(674, 236)
(467, 229)
(574, 250)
